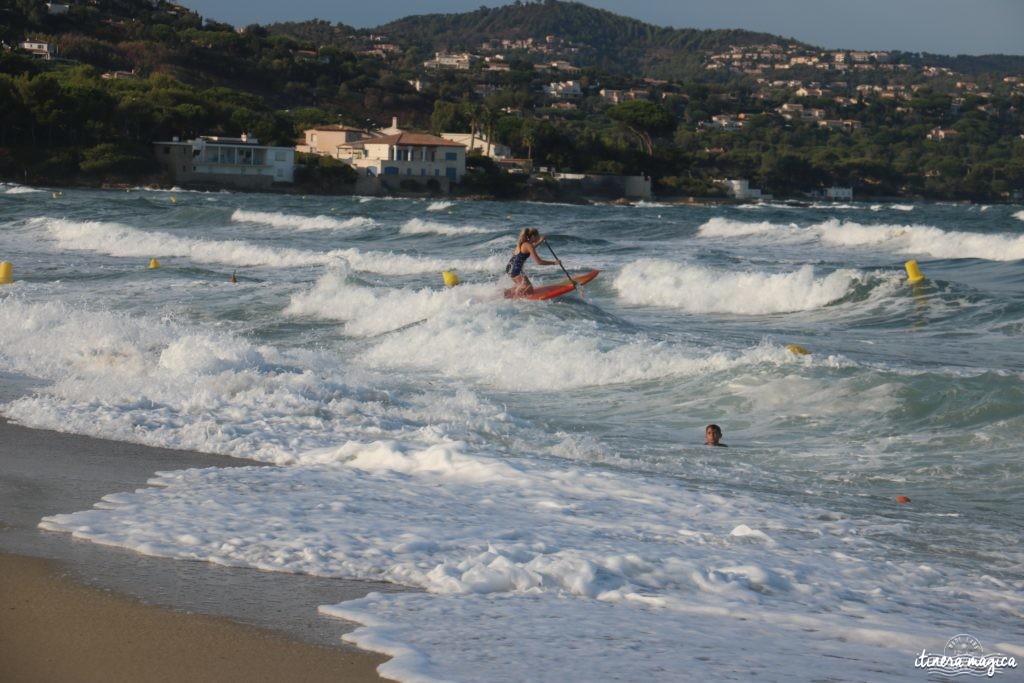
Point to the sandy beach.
(55, 629)
(76, 611)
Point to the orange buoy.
(902, 499)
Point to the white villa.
(39, 49)
(333, 141)
(413, 155)
(222, 161)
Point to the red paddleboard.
(557, 289)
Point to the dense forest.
(129, 72)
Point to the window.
(279, 155)
(451, 156)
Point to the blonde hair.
(526, 234)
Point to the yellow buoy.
(450, 278)
(153, 264)
(174, 200)
(5, 273)
(913, 272)
(797, 349)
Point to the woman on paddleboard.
(526, 247)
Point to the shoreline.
(673, 199)
(103, 609)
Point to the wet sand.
(54, 629)
(76, 611)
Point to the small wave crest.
(417, 226)
(724, 227)
(918, 240)
(924, 239)
(14, 188)
(297, 222)
(696, 289)
(370, 311)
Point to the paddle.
(577, 286)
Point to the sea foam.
(540, 550)
(115, 239)
(418, 226)
(278, 219)
(696, 289)
(921, 240)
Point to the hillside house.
(939, 134)
(565, 90)
(845, 125)
(725, 122)
(39, 49)
(444, 60)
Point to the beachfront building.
(334, 141)
(479, 141)
(839, 193)
(411, 155)
(217, 161)
(741, 189)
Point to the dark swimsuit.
(515, 264)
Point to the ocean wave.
(115, 239)
(918, 240)
(298, 222)
(370, 311)
(417, 226)
(924, 240)
(505, 343)
(724, 228)
(161, 383)
(14, 188)
(696, 289)
(618, 568)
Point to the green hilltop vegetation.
(602, 40)
(565, 85)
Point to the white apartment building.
(414, 155)
(334, 141)
(240, 162)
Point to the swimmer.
(713, 435)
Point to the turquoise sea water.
(539, 465)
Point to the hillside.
(591, 38)
(594, 38)
(563, 85)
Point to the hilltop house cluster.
(758, 59)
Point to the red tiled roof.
(418, 139)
